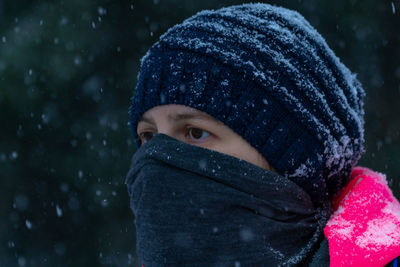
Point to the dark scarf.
(198, 207)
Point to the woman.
(248, 130)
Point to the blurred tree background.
(67, 73)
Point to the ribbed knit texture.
(266, 73)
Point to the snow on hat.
(266, 73)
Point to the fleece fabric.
(199, 207)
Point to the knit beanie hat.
(266, 73)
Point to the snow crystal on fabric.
(380, 233)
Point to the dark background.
(67, 73)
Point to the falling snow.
(28, 224)
(59, 211)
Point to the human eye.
(197, 133)
(144, 137)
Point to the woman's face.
(197, 128)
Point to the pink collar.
(364, 229)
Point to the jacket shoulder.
(364, 229)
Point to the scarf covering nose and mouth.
(198, 207)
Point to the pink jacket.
(365, 227)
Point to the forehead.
(173, 108)
(174, 112)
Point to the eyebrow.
(180, 116)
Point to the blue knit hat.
(266, 73)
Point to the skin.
(200, 130)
